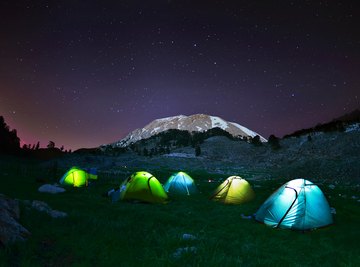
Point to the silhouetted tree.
(145, 152)
(256, 140)
(62, 148)
(51, 145)
(9, 141)
(273, 141)
(37, 145)
(197, 151)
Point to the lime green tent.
(234, 190)
(299, 204)
(77, 177)
(143, 186)
(180, 183)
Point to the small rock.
(43, 207)
(57, 214)
(181, 251)
(332, 186)
(52, 189)
(188, 237)
(333, 210)
(40, 206)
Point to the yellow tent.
(234, 190)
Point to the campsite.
(186, 231)
(179, 133)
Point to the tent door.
(292, 204)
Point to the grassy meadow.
(100, 233)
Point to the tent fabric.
(143, 186)
(78, 177)
(234, 190)
(180, 183)
(299, 204)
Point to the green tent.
(180, 183)
(299, 204)
(77, 177)
(234, 190)
(143, 186)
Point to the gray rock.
(333, 210)
(52, 189)
(43, 207)
(188, 237)
(57, 214)
(181, 251)
(10, 229)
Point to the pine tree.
(273, 141)
(197, 151)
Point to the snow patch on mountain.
(193, 123)
(246, 130)
(217, 122)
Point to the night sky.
(86, 73)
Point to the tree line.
(10, 143)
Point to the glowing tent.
(180, 183)
(299, 204)
(234, 190)
(143, 186)
(77, 177)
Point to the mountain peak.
(192, 123)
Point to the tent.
(143, 186)
(180, 183)
(234, 190)
(299, 204)
(77, 177)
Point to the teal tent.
(180, 183)
(299, 204)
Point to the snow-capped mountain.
(193, 123)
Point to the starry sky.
(86, 73)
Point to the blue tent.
(180, 183)
(298, 204)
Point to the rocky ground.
(327, 156)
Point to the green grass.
(100, 233)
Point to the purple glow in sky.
(86, 73)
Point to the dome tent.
(143, 186)
(180, 183)
(298, 204)
(77, 177)
(234, 190)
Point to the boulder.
(43, 207)
(52, 189)
(10, 229)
